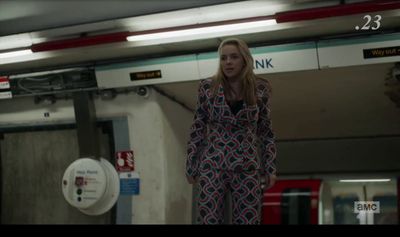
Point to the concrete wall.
(176, 124)
(157, 130)
(368, 155)
(339, 102)
(31, 191)
(335, 120)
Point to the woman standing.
(231, 145)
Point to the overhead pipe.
(281, 17)
(121, 36)
(80, 42)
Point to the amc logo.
(367, 207)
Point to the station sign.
(382, 52)
(145, 75)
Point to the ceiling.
(35, 15)
(36, 21)
(44, 20)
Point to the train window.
(388, 209)
(296, 206)
(344, 209)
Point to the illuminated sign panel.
(382, 52)
(145, 75)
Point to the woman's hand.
(268, 182)
(191, 180)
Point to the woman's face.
(232, 61)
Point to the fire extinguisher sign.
(4, 83)
(125, 161)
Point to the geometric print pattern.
(222, 140)
(214, 184)
(228, 151)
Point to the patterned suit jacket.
(220, 139)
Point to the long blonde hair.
(248, 76)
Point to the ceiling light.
(16, 53)
(363, 180)
(202, 30)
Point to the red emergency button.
(79, 181)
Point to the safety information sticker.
(5, 95)
(129, 183)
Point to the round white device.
(91, 185)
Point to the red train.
(331, 201)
